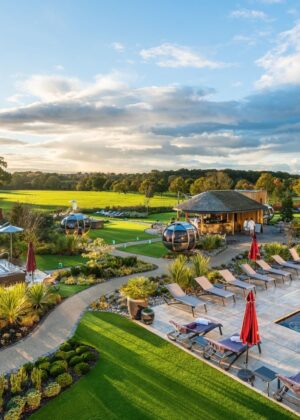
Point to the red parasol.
(254, 253)
(249, 333)
(30, 262)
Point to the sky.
(131, 86)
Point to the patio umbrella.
(249, 333)
(10, 229)
(254, 253)
(30, 262)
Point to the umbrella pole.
(11, 247)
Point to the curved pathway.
(59, 325)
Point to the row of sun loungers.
(269, 276)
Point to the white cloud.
(59, 67)
(249, 14)
(176, 56)
(282, 63)
(106, 124)
(118, 46)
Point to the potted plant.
(137, 291)
(147, 315)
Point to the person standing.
(251, 227)
(245, 226)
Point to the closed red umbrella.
(30, 262)
(249, 332)
(254, 253)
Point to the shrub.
(65, 347)
(138, 288)
(180, 273)
(210, 242)
(64, 380)
(82, 349)
(88, 356)
(2, 388)
(70, 354)
(28, 367)
(52, 389)
(60, 355)
(44, 365)
(213, 276)
(81, 368)
(36, 378)
(42, 360)
(200, 265)
(33, 399)
(44, 375)
(61, 363)
(16, 382)
(13, 414)
(129, 261)
(75, 360)
(56, 370)
(17, 403)
(275, 248)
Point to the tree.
(52, 183)
(266, 182)
(218, 181)
(287, 208)
(177, 185)
(4, 175)
(98, 182)
(296, 187)
(147, 188)
(198, 186)
(243, 184)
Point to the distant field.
(49, 200)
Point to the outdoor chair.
(230, 280)
(179, 297)
(275, 271)
(252, 274)
(295, 255)
(280, 261)
(184, 333)
(209, 289)
(290, 383)
(225, 350)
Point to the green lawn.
(51, 262)
(66, 290)
(48, 200)
(121, 231)
(155, 249)
(141, 376)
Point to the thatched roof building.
(222, 211)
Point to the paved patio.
(280, 345)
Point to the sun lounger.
(295, 255)
(280, 261)
(209, 289)
(232, 281)
(225, 350)
(179, 297)
(184, 333)
(290, 383)
(275, 271)
(256, 276)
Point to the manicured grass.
(155, 249)
(121, 231)
(141, 376)
(48, 200)
(66, 291)
(160, 217)
(51, 262)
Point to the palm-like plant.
(13, 303)
(40, 297)
(200, 265)
(180, 273)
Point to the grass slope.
(47, 200)
(121, 231)
(141, 376)
(156, 249)
(50, 262)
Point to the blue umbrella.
(10, 229)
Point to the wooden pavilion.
(222, 211)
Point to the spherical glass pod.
(180, 236)
(75, 220)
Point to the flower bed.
(29, 388)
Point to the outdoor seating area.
(279, 350)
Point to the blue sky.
(210, 84)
